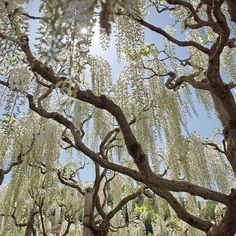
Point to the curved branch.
(224, 33)
(192, 220)
(145, 173)
(119, 206)
(175, 83)
(192, 11)
(172, 39)
(134, 148)
(70, 184)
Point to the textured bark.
(30, 230)
(232, 9)
(225, 110)
(226, 227)
(225, 107)
(230, 139)
(88, 201)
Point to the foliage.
(65, 113)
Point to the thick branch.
(122, 203)
(70, 184)
(226, 226)
(175, 83)
(172, 39)
(146, 175)
(192, 220)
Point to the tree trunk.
(30, 230)
(88, 201)
(225, 107)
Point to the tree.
(66, 88)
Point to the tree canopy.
(65, 112)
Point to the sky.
(202, 124)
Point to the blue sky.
(201, 124)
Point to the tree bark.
(1, 176)
(226, 226)
(87, 211)
(232, 9)
(30, 230)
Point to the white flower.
(19, 79)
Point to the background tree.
(65, 87)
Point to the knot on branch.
(231, 43)
(136, 151)
(148, 193)
(89, 190)
(231, 125)
(173, 83)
